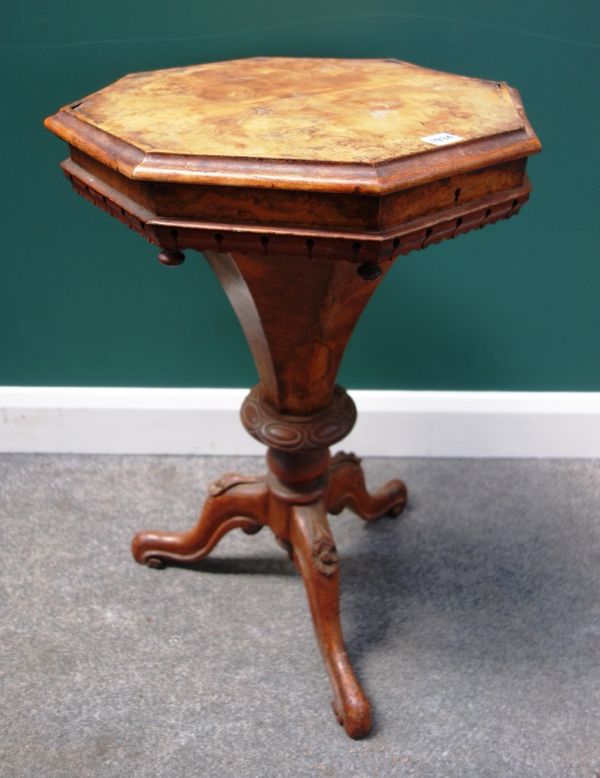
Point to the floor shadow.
(442, 590)
(251, 565)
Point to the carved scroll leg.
(347, 489)
(233, 501)
(316, 558)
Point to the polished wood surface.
(297, 514)
(297, 318)
(318, 110)
(198, 158)
(446, 212)
(301, 181)
(319, 124)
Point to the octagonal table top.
(319, 124)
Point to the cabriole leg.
(347, 489)
(233, 501)
(315, 556)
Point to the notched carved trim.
(343, 458)
(335, 244)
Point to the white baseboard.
(390, 423)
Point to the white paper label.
(441, 139)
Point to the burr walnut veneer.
(301, 181)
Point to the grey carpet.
(473, 623)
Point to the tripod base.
(298, 518)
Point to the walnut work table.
(300, 180)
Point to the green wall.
(512, 307)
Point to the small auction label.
(441, 139)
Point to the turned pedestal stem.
(297, 322)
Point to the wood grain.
(305, 109)
(297, 320)
(317, 124)
(357, 246)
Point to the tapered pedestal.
(297, 321)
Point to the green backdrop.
(83, 300)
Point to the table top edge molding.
(336, 177)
